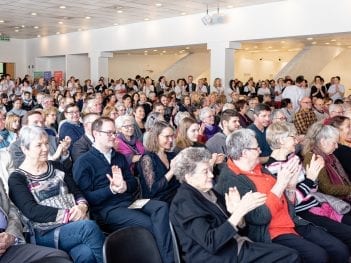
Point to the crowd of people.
(254, 171)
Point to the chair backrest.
(129, 245)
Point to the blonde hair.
(278, 131)
(10, 119)
(182, 141)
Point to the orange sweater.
(281, 222)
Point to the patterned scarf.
(4, 134)
(335, 171)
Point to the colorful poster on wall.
(47, 75)
(58, 76)
(38, 74)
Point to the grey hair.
(152, 118)
(228, 106)
(121, 120)
(188, 159)
(276, 112)
(29, 134)
(238, 141)
(316, 133)
(278, 131)
(334, 107)
(203, 112)
(179, 116)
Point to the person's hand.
(117, 183)
(240, 207)
(66, 143)
(78, 212)
(288, 171)
(6, 240)
(314, 167)
(202, 128)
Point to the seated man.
(104, 177)
(12, 243)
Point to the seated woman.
(139, 124)
(342, 153)
(126, 141)
(13, 125)
(323, 140)
(242, 106)
(275, 221)
(282, 139)
(208, 127)
(50, 200)
(50, 116)
(209, 226)
(156, 167)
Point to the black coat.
(202, 228)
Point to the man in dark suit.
(190, 85)
(85, 142)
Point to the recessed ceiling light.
(310, 38)
(60, 22)
(120, 11)
(16, 30)
(62, 7)
(158, 4)
(57, 33)
(333, 40)
(146, 19)
(183, 50)
(145, 51)
(283, 42)
(79, 29)
(183, 13)
(87, 17)
(155, 50)
(145, 54)
(38, 35)
(327, 43)
(164, 51)
(314, 42)
(23, 26)
(187, 48)
(35, 27)
(16, 27)
(33, 14)
(2, 21)
(229, 6)
(115, 24)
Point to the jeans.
(82, 240)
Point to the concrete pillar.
(222, 60)
(99, 65)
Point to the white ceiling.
(17, 18)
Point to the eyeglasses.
(109, 133)
(254, 148)
(72, 112)
(131, 126)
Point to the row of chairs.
(135, 244)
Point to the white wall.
(14, 51)
(78, 66)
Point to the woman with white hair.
(208, 226)
(275, 221)
(54, 206)
(208, 127)
(126, 141)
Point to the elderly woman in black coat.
(208, 226)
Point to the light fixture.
(87, 17)
(115, 24)
(62, 7)
(207, 19)
(33, 14)
(155, 50)
(23, 26)
(16, 30)
(333, 40)
(310, 38)
(229, 6)
(35, 27)
(214, 19)
(120, 11)
(327, 43)
(164, 51)
(314, 42)
(158, 4)
(79, 29)
(2, 21)
(187, 48)
(38, 35)
(183, 13)
(60, 22)
(57, 33)
(146, 19)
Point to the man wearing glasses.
(305, 117)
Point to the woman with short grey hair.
(322, 140)
(238, 141)
(207, 224)
(47, 196)
(208, 127)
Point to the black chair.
(129, 245)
